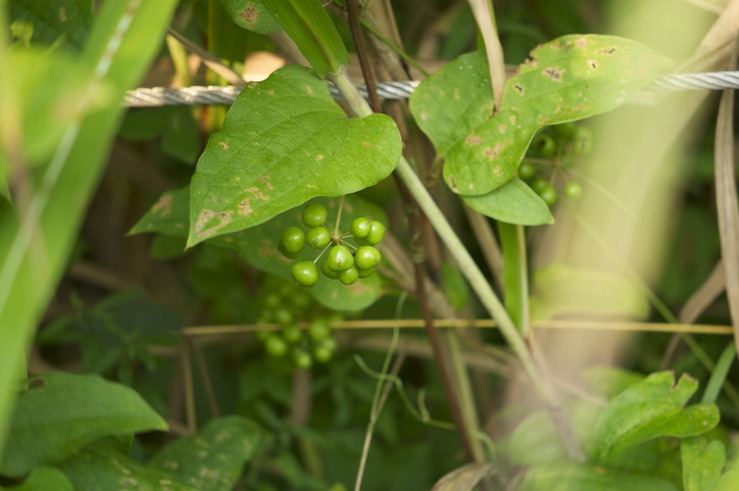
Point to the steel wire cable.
(224, 95)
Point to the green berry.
(549, 195)
(292, 334)
(305, 273)
(376, 234)
(361, 227)
(322, 354)
(275, 345)
(293, 240)
(327, 271)
(364, 273)
(349, 276)
(314, 215)
(545, 145)
(272, 300)
(582, 140)
(318, 237)
(283, 316)
(367, 257)
(302, 359)
(329, 343)
(539, 185)
(318, 330)
(573, 190)
(526, 170)
(339, 258)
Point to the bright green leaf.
(251, 15)
(215, 457)
(573, 477)
(570, 78)
(44, 478)
(67, 412)
(513, 202)
(102, 467)
(285, 141)
(259, 245)
(653, 408)
(703, 462)
(308, 24)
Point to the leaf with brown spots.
(284, 142)
(568, 79)
(252, 15)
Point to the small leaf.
(653, 408)
(101, 467)
(465, 478)
(285, 141)
(573, 477)
(67, 412)
(703, 462)
(513, 202)
(251, 15)
(43, 478)
(215, 457)
(570, 78)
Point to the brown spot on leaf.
(223, 145)
(532, 61)
(204, 217)
(519, 88)
(554, 74)
(250, 15)
(366, 144)
(453, 183)
(251, 85)
(502, 128)
(606, 51)
(473, 139)
(309, 89)
(163, 206)
(245, 207)
(497, 171)
(270, 92)
(581, 43)
(62, 14)
(492, 153)
(592, 64)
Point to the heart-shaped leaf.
(284, 142)
(259, 245)
(513, 202)
(570, 78)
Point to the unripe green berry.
(292, 334)
(339, 258)
(314, 215)
(573, 190)
(275, 345)
(364, 273)
(293, 240)
(539, 185)
(582, 140)
(526, 170)
(318, 237)
(327, 271)
(283, 316)
(367, 257)
(349, 276)
(305, 273)
(549, 195)
(302, 359)
(318, 330)
(376, 234)
(361, 227)
(545, 145)
(322, 354)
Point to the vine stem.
(467, 265)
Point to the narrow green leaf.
(570, 78)
(252, 15)
(719, 374)
(653, 408)
(44, 478)
(308, 24)
(574, 477)
(66, 413)
(703, 462)
(102, 467)
(285, 141)
(215, 457)
(513, 202)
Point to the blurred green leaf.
(650, 409)
(67, 412)
(54, 22)
(573, 477)
(703, 461)
(570, 78)
(251, 15)
(285, 141)
(44, 478)
(214, 458)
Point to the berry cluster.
(343, 260)
(283, 306)
(551, 153)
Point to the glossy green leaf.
(259, 245)
(251, 15)
(215, 457)
(570, 78)
(67, 412)
(573, 477)
(285, 141)
(650, 409)
(513, 202)
(308, 24)
(703, 462)
(102, 467)
(44, 478)
(63, 23)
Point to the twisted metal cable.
(215, 95)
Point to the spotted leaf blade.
(284, 142)
(570, 78)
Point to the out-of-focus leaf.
(43, 478)
(465, 478)
(703, 462)
(53, 22)
(573, 477)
